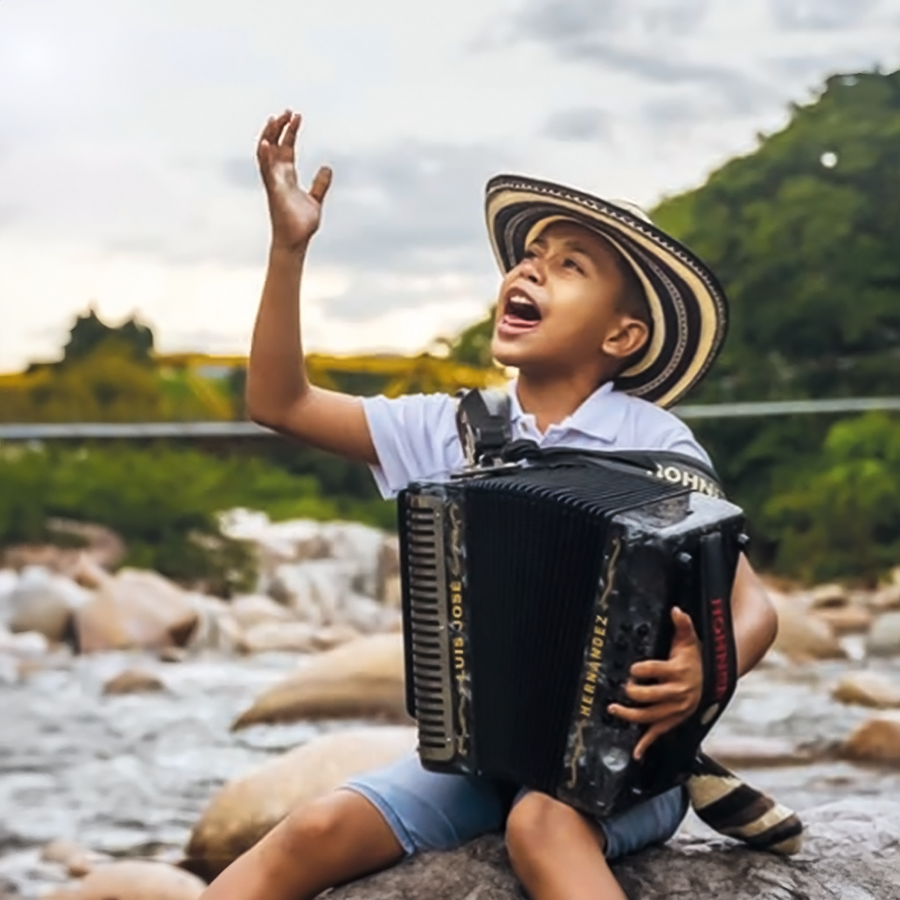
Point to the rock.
(294, 637)
(172, 655)
(877, 740)
(256, 610)
(137, 880)
(829, 596)
(802, 636)
(291, 541)
(44, 602)
(867, 689)
(852, 854)
(269, 637)
(747, 752)
(360, 546)
(83, 864)
(27, 645)
(320, 592)
(136, 610)
(8, 581)
(133, 681)
(316, 591)
(100, 546)
(60, 852)
(217, 629)
(884, 636)
(886, 598)
(849, 619)
(388, 575)
(246, 809)
(362, 679)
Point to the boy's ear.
(626, 338)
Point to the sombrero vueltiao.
(687, 304)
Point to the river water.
(129, 775)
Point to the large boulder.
(135, 880)
(135, 610)
(44, 602)
(361, 679)
(852, 852)
(246, 809)
(884, 636)
(803, 636)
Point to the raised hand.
(295, 213)
(678, 686)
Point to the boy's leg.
(331, 840)
(368, 825)
(559, 853)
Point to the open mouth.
(520, 312)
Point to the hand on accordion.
(667, 691)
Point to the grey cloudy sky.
(127, 132)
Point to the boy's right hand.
(295, 213)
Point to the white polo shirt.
(415, 436)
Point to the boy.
(592, 296)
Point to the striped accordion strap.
(733, 808)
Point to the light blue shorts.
(431, 811)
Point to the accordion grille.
(427, 627)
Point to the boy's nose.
(532, 270)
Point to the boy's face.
(557, 309)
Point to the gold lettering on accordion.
(592, 665)
(458, 657)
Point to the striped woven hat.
(687, 304)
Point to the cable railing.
(48, 431)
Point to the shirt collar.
(599, 416)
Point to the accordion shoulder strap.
(483, 422)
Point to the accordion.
(528, 592)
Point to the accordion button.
(684, 560)
(643, 630)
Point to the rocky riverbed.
(129, 775)
(126, 703)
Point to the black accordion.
(528, 592)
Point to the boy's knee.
(537, 822)
(317, 822)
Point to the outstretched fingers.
(320, 184)
(271, 134)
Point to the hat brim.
(688, 306)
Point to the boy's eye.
(529, 254)
(571, 264)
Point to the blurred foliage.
(164, 502)
(472, 347)
(803, 233)
(840, 514)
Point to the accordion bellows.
(528, 594)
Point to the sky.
(127, 136)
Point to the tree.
(803, 233)
(89, 332)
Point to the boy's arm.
(678, 686)
(753, 615)
(279, 394)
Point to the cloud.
(820, 15)
(578, 124)
(411, 207)
(564, 21)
